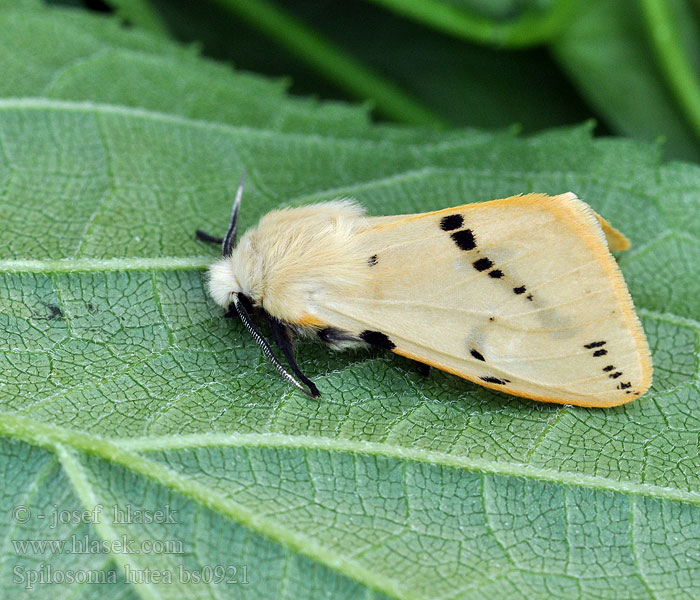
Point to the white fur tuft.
(222, 282)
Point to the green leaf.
(67, 54)
(122, 388)
(465, 83)
(339, 67)
(141, 14)
(122, 385)
(468, 83)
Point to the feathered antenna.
(229, 242)
(238, 302)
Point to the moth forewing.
(520, 295)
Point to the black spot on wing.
(519, 290)
(529, 297)
(496, 380)
(609, 368)
(476, 354)
(601, 352)
(594, 345)
(624, 386)
(496, 273)
(378, 339)
(464, 239)
(615, 375)
(482, 264)
(372, 260)
(451, 222)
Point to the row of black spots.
(372, 260)
(483, 264)
(614, 375)
(464, 238)
(521, 290)
(496, 380)
(600, 350)
(378, 339)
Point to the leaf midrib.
(126, 453)
(123, 451)
(92, 265)
(56, 440)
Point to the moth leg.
(206, 237)
(239, 301)
(284, 343)
(423, 369)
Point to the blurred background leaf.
(481, 63)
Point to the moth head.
(232, 283)
(231, 277)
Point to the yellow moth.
(519, 294)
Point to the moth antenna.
(207, 237)
(229, 242)
(284, 343)
(267, 349)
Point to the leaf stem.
(530, 29)
(336, 65)
(675, 66)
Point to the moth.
(520, 294)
